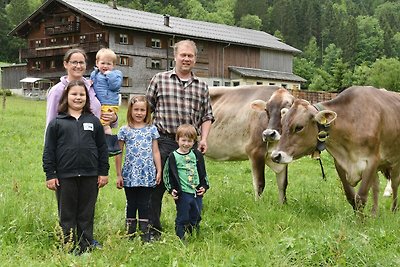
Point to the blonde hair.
(133, 100)
(106, 52)
(186, 130)
(185, 42)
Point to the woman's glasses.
(76, 63)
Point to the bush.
(6, 91)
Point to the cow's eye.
(298, 128)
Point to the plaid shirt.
(175, 104)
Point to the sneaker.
(96, 245)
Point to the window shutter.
(117, 37)
(148, 41)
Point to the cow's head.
(300, 131)
(280, 101)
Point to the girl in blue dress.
(141, 170)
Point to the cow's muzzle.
(281, 157)
(270, 135)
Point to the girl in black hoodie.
(75, 160)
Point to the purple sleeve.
(53, 99)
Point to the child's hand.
(174, 194)
(52, 184)
(200, 191)
(102, 181)
(158, 178)
(120, 182)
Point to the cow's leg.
(369, 178)
(375, 194)
(348, 189)
(395, 185)
(258, 170)
(282, 182)
(281, 173)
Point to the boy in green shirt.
(185, 178)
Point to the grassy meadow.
(316, 228)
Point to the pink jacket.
(54, 95)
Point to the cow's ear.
(325, 117)
(259, 105)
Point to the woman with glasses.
(75, 65)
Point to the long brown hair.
(133, 100)
(63, 105)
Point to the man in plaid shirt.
(178, 97)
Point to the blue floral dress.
(138, 169)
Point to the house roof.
(145, 21)
(32, 80)
(266, 74)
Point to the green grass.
(316, 228)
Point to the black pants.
(76, 198)
(138, 201)
(166, 146)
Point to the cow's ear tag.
(325, 117)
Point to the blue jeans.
(188, 213)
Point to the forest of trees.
(344, 42)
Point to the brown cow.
(240, 120)
(360, 129)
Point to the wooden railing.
(312, 96)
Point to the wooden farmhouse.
(143, 41)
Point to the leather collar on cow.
(323, 131)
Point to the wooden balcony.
(60, 50)
(62, 27)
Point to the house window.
(126, 81)
(171, 64)
(236, 83)
(99, 36)
(271, 84)
(38, 43)
(155, 43)
(171, 42)
(124, 60)
(52, 64)
(36, 65)
(155, 64)
(215, 83)
(66, 40)
(53, 41)
(227, 84)
(284, 85)
(123, 39)
(259, 83)
(82, 38)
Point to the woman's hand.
(109, 117)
